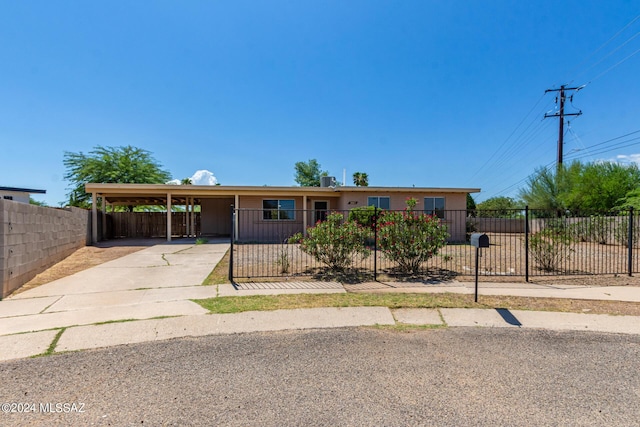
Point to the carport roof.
(156, 194)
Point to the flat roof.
(157, 193)
(23, 190)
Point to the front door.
(320, 209)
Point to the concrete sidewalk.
(146, 296)
(606, 293)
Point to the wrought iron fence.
(523, 243)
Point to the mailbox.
(479, 240)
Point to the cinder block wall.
(33, 238)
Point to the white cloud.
(200, 177)
(204, 177)
(631, 158)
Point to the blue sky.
(416, 92)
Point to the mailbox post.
(478, 240)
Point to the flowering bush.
(409, 238)
(335, 242)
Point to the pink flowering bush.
(409, 238)
(335, 242)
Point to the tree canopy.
(122, 165)
(308, 174)
(499, 207)
(588, 188)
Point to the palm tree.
(361, 179)
(186, 181)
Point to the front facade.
(283, 210)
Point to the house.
(278, 212)
(21, 195)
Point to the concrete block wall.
(33, 238)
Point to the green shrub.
(365, 216)
(409, 239)
(621, 232)
(335, 242)
(549, 247)
(594, 229)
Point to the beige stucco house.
(286, 210)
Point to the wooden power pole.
(561, 114)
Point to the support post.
(94, 218)
(194, 230)
(169, 217)
(103, 229)
(526, 244)
(477, 259)
(375, 244)
(630, 244)
(233, 221)
(187, 214)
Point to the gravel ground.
(443, 377)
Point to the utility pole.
(560, 114)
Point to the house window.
(278, 209)
(434, 206)
(379, 202)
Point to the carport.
(214, 201)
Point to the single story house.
(278, 212)
(21, 195)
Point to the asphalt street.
(349, 376)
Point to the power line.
(614, 66)
(508, 137)
(603, 45)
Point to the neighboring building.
(21, 195)
(285, 210)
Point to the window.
(7, 197)
(434, 206)
(379, 202)
(278, 209)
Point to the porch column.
(236, 204)
(103, 231)
(194, 231)
(304, 215)
(168, 217)
(186, 213)
(94, 218)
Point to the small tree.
(335, 242)
(409, 238)
(308, 174)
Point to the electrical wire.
(507, 139)
(602, 46)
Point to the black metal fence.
(522, 243)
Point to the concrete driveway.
(156, 281)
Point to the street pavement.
(147, 296)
